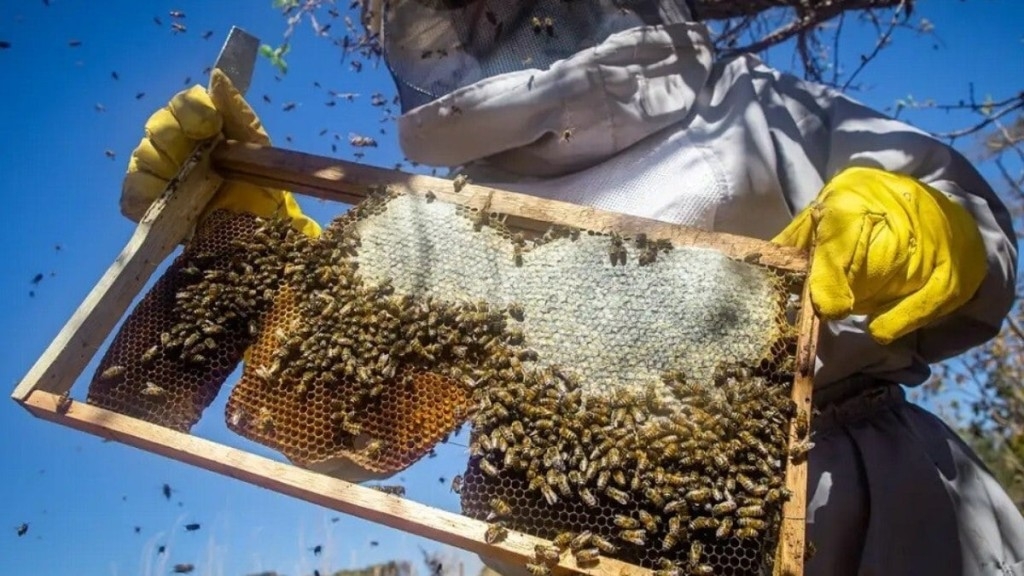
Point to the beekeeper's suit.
(626, 109)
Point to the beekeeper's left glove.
(889, 247)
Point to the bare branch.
(725, 9)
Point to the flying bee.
(113, 372)
(587, 555)
(603, 544)
(638, 537)
(617, 495)
(537, 569)
(547, 554)
(152, 389)
(495, 533)
(499, 508)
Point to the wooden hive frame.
(44, 391)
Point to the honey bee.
(488, 468)
(674, 506)
(745, 532)
(801, 424)
(702, 570)
(654, 497)
(547, 554)
(751, 511)
(723, 508)
(393, 490)
(563, 540)
(617, 495)
(668, 569)
(638, 537)
(549, 494)
(800, 450)
(152, 389)
(626, 522)
(696, 551)
(499, 508)
(602, 479)
(703, 523)
(113, 372)
(537, 569)
(699, 495)
(724, 529)
(457, 484)
(265, 421)
(374, 448)
(430, 196)
(587, 556)
(495, 533)
(460, 182)
(581, 540)
(588, 497)
(670, 541)
(537, 24)
(150, 354)
(603, 544)
(755, 523)
(63, 403)
(650, 523)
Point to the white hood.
(579, 112)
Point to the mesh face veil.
(434, 47)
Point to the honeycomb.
(188, 333)
(627, 397)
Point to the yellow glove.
(173, 132)
(889, 247)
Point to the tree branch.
(725, 9)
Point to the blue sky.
(83, 498)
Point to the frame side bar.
(168, 221)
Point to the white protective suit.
(657, 128)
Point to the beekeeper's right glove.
(174, 131)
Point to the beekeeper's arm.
(905, 230)
(173, 132)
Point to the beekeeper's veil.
(434, 47)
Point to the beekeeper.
(623, 106)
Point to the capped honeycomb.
(627, 397)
